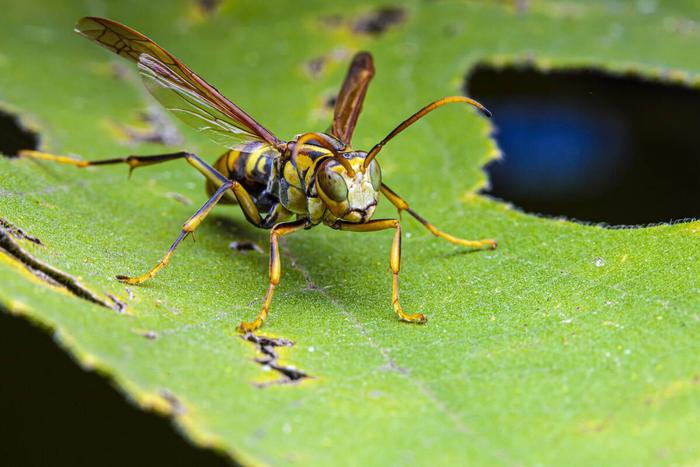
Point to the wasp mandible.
(314, 178)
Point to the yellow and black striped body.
(280, 187)
(254, 165)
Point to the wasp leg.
(394, 260)
(225, 187)
(237, 192)
(132, 161)
(279, 230)
(189, 227)
(402, 205)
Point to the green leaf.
(569, 344)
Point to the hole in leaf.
(14, 136)
(591, 146)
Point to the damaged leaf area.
(270, 359)
(14, 252)
(568, 342)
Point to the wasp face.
(350, 198)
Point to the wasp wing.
(189, 106)
(178, 88)
(352, 94)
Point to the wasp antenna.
(345, 163)
(417, 116)
(325, 142)
(485, 111)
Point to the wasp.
(284, 186)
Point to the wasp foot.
(129, 280)
(485, 244)
(418, 318)
(152, 272)
(245, 327)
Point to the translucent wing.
(177, 87)
(188, 105)
(351, 96)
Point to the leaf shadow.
(237, 229)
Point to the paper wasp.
(314, 178)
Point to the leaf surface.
(569, 344)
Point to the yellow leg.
(134, 162)
(394, 260)
(189, 227)
(402, 205)
(237, 192)
(279, 230)
(193, 222)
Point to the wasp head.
(349, 195)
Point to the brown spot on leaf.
(208, 7)
(379, 21)
(201, 10)
(329, 102)
(153, 127)
(374, 23)
(314, 66)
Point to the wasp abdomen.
(253, 166)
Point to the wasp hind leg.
(402, 205)
(279, 230)
(394, 260)
(133, 162)
(225, 188)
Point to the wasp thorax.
(350, 198)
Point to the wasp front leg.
(394, 260)
(278, 231)
(402, 205)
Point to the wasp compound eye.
(375, 175)
(333, 184)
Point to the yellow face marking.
(359, 197)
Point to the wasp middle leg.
(402, 205)
(225, 187)
(279, 230)
(394, 260)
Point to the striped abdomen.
(253, 165)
